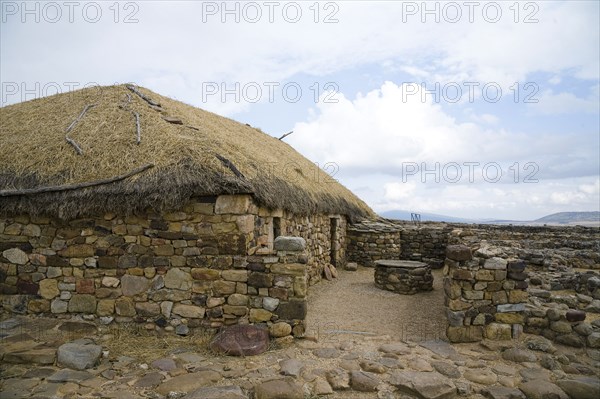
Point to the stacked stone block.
(372, 241)
(369, 242)
(403, 277)
(202, 265)
(563, 325)
(485, 296)
(425, 243)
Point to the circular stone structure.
(403, 276)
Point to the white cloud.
(173, 41)
(407, 152)
(395, 191)
(565, 103)
(385, 129)
(555, 80)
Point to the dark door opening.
(333, 254)
(276, 227)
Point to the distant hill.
(570, 217)
(560, 218)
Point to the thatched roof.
(90, 162)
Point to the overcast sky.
(470, 109)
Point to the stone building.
(123, 204)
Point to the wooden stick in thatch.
(77, 186)
(75, 145)
(142, 96)
(137, 127)
(227, 163)
(72, 125)
(285, 135)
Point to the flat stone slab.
(405, 264)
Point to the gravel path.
(352, 305)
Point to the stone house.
(123, 204)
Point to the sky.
(473, 109)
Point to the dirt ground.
(352, 305)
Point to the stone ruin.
(500, 281)
(217, 263)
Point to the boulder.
(581, 387)
(241, 340)
(79, 355)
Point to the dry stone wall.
(372, 241)
(485, 295)
(214, 262)
(325, 240)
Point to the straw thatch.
(124, 149)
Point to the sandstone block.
(16, 256)
(233, 204)
(106, 307)
(188, 311)
(82, 303)
(178, 279)
(78, 251)
(260, 315)
(458, 252)
(235, 275)
(49, 288)
(125, 307)
(134, 285)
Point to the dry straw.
(191, 152)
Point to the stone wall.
(317, 231)
(541, 247)
(425, 243)
(561, 324)
(372, 241)
(485, 295)
(211, 263)
(369, 242)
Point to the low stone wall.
(211, 263)
(403, 277)
(563, 325)
(372, 241)
(485, 296)
(369, 242)
(544, 248)
(426, 243)
(317, 231)
(258, 289)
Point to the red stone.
(575, 315)
(241, 340)
(27, 287)
(85, 286)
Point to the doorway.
(334, 243)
